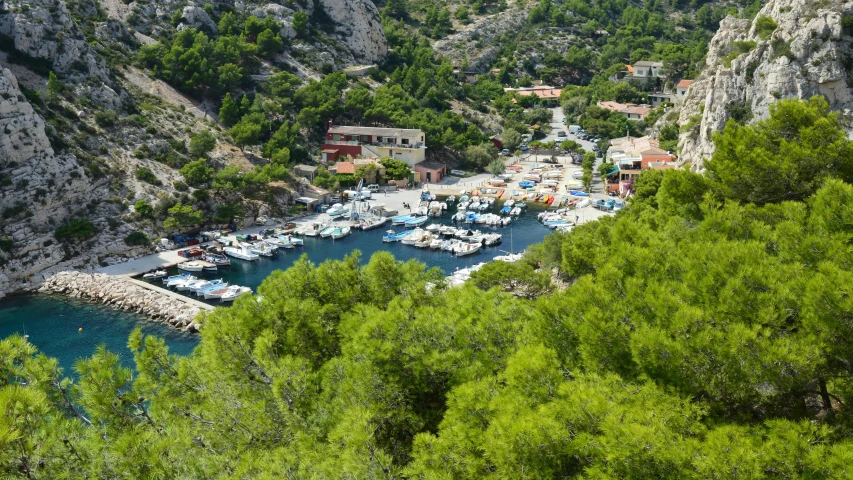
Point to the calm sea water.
(52, 322)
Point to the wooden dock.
(171, 294)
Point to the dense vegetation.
(695, 335)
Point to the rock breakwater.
(124, 294)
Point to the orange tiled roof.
(684, 83)
(345, 167)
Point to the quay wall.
(124, 294)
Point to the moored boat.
(242, 252)
(155, 275)
(392, 236)
(340, 232)
(191, 266)
(233, 292)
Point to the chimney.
(330, 124)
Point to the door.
(429, 177)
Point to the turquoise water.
(52, 322)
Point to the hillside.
(791, 49)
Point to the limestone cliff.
(39, 191)
(804, 51)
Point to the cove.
(52, 322)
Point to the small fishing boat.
(578, 193)
(450, 199)
(374, 223)
(341, 232)
(506, 209)
(185, 285)
(212, 285)
(401, 219)
(463, 206)
(521, 205)
(242, 252)
(416, 221)
(464, 249)
(509, 203)
(297, 242)
(424, 241)
(313, 230)
(221, 261)
(435, 243)
(198, 286)
(526, 184)
(515, 211)
(190, 267)
(327, 232)
(155, 275)
(433, 228)
(175, 277)
(464, 198)
(233, 292)
(392, 236)
(215, 293)
(459, 216)
(471, 217)
(173, 281)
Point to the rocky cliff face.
(751, 65)
(478, 43)
(40, 191)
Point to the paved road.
(558, 125)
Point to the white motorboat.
(155, 275)
(459, 216)
(327, 232)
(233, 292)
(201, 285)
(463, 249)
(463, 206)
(413, 236)
(180, 279)
(340, 232)
(448, 230)
(450, 199)
(263, 249)
(515, 211)
(492, 239)
(278, 242)
(297, 242)
(433, 228)
(509, 203)
(424, 241)
(190, 267)
(373, 223)
(436, 243)
(242, 252)
(337, 210)
(182, 285)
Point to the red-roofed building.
(405, 144)
(681, 89)
(632, 111)
(545, 93)
(345, 167)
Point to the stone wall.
(122, 294)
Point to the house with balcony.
(646, 69)
(405, 144)
(630, 156)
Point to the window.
(404, 141)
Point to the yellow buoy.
(80, 329)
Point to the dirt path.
(168, 93)
(116, 9)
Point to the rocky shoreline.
(120, 293)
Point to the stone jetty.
(125, 294)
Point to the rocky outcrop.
(478, 43)
(357, 26)
(39, 191)
(44, 30)
(125, 295)
(195, 17)
(749, 68)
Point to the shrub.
(137, 239)
(79, 228)
(764, 27)
(105, 118)
(6, 244)
(146, 175)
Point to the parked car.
(373, 187)
(524, 148)
(561, 133)
(505, 152)
(596, 139)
